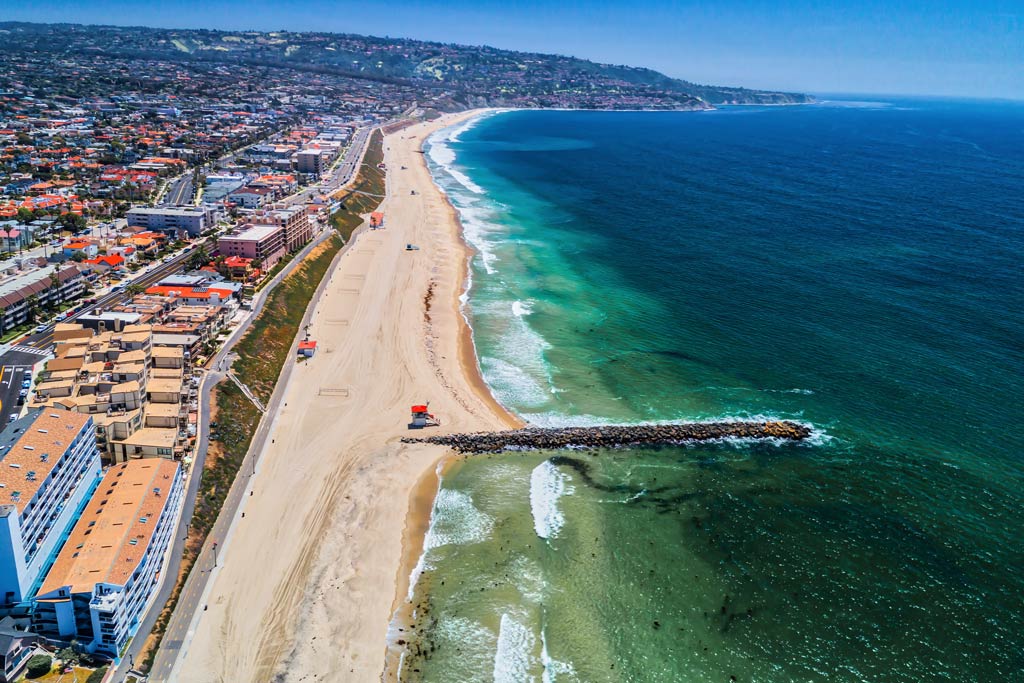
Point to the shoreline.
(423, 495)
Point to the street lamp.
(215, 554)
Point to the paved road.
(189, 601)
(189, 595)
(181, 191)
(15, 368)
(144, 278)
(343, 173)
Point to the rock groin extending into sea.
(537, 438)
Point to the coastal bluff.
(541, 438)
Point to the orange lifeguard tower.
(422, 417)
(376, 220)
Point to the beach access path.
(310, 573)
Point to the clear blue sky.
(969, 48)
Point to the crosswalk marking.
(30, 349)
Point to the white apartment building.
(49, 464)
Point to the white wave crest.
(521, 308)
(513, 658)
(444, 157)
(547, 485)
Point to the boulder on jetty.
(537, 438)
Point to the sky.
(968, 48)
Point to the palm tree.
(33, 308)
(55, 288)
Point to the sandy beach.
(309, 577)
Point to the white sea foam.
(479, 227)
(547, 485)
(528, 577)
(444, 156)
(513, 658)
(454, 520)
(521, 308)
(516, 368)
(511, 383)
(552, 667)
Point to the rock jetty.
(537, 438)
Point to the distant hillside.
(472, 76)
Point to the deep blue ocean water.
(854, 265)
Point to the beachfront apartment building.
(109, 569)
(298, 229)
(262, 242)
(173, 219)
(313, 161)
(49, 465)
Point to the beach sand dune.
(308, 577)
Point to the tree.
(68, 656)
(97, 675)
(33, 308)
(198, 259)
(25, 216)
(39, 665)
(134, 290)
(72, 221)
(55, 286)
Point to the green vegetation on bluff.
(365, 193)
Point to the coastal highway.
(343, 172)
(41, 341)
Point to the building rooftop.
(163, 409)
(29, 449)
(112, 535)
(161, 385)
(168, 211)
(255, 233)
(161, 437)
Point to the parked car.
(41, 328)
(13, 417)
(27, 384)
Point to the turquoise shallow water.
(852, 265)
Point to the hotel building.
(99, 586)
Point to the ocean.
(853, 265)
